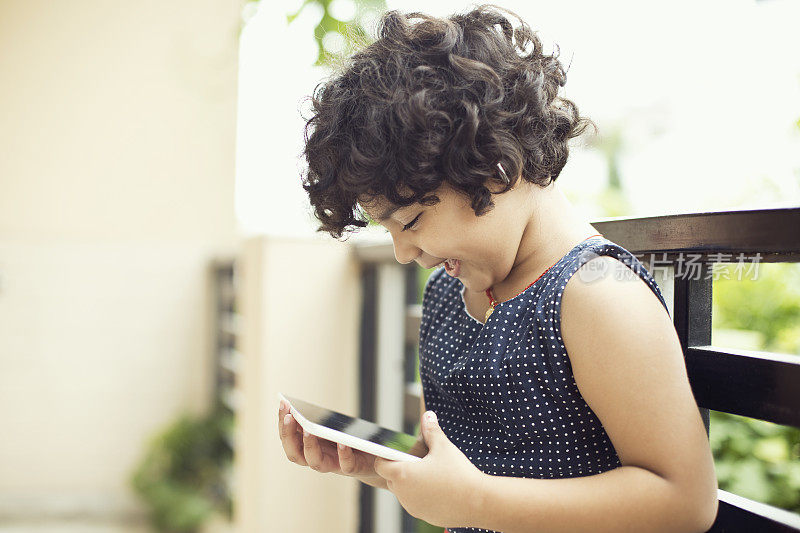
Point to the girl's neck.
(554, 227)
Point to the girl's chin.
(473, 283)
(472, 287)
(468, 282)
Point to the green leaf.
(773, 450)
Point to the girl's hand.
(441, 489)
(322, 455)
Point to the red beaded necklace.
(494, 303)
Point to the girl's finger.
(347, 460)
(365, 462)
(362, 462)
(292, 441)
(316, 459)
(281, 413)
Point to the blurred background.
(161, 280)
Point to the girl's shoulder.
(602, 259)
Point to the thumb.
(431, 431)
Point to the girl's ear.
(495, 186)
(500, 181)
(503, 176)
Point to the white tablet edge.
(334, 435)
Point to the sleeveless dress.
(504, 392)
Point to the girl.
(556, 393)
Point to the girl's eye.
(412, 223)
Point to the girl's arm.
(629, 367)
(628, 364)
(628, 498)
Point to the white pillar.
(390, 386)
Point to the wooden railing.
(679, 251)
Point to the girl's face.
(479, 251)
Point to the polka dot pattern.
(504, 392)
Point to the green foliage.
(355, 32)
(769, 304)
(611, 145)
(757, 459)
(182, 476)
(614, 202)
(754, 458)
(424, 527)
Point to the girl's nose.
(404, 251)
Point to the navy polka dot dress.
(504, 392)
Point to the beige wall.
(300, 301)
(116, 188)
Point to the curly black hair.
(434, 101)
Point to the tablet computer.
(355, 432)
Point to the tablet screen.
(360, 428)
